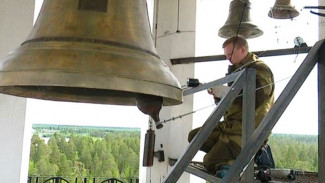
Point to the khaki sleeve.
(264, 83)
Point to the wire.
(189, 113)
(156, 6)
(180, 116)
(241, 19)
(185, 86)
(177, 23)
(178, 17)
(176, 32)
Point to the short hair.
(238, 41)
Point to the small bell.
(239, 21)
(282, 9)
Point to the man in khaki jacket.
(224, 143)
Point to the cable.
(186, 114)
(184, 86)
(177, 23)
(156, 6)
(180, 116)
(241, 19)
(177, 31)
(168, 34)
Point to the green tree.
(54, 150)
(65, 166)
(85, 158)
(67, 153)
(38, 149)
(294, 151)
(46, 168)
(32, 168)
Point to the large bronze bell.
(92, 51)
(282, 9)
(239, 21)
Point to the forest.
(85, 152)
(298, 152)
(71, 151)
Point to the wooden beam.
(266, 53)
(273, 115)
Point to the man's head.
(237, 54)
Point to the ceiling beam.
(266, 53)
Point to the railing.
(58, 179)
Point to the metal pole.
(248, 124)
(205, 131)
(211, 84)
(321, 116)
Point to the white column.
(174, 38)
(16, 19)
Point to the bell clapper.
(151, 105)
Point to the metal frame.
(201, 174)
(242, 80)
(248, 123)
(316, 54)
(275, 113)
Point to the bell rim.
(248, 27)
(283, 12)
(171, 95)
(161, 86)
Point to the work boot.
(222, 171)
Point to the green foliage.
(297, 152)
(92, 152)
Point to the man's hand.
(210, 91)
(219, 91)
(216, 99)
